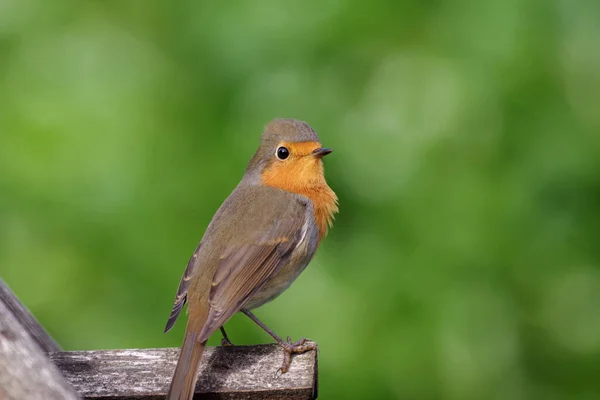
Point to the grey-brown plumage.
(258, 242)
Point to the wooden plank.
(25, 371)
(26, 320)
(239, 372)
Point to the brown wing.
(181, 296)
(244, 269)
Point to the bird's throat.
(306, 178)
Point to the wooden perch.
(25, 371)
(240, 372)
(29, 358)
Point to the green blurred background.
(465, 261)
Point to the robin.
(258, 242)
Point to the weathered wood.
(27, 321)
(240, 372)
(25, 371)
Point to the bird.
(257, 243)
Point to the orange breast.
(303, 174)
(325, 205)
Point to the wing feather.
(184, 284)
(245, 269)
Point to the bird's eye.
(283, 153)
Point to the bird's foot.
(225, 342)
(290, 348)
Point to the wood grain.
(26, 319)
(240, 372)
(25, 370)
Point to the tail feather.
(186, 372)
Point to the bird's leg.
(289, 347)
(225, 342)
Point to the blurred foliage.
(464, 263)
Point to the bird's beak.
(321, 152)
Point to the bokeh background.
(465, 261)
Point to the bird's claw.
(297, 347)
